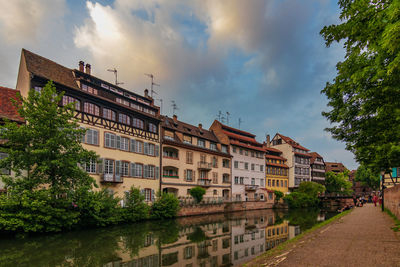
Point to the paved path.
(361, 238)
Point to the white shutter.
(95, 137)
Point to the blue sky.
(262, 61)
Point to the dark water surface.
(214, 240)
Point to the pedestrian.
(355, 200)
(374, 199)
(380, 200)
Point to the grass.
(396, 220)
(284, 245)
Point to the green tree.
(365, 95)
(197, 193)
(278, 195)
(136, 208)
(338, 182)
(46, 150)
(311, 188)
(368, 177)
(165, 207)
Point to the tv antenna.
(174, 107)
(160, 105)
(116, 76)
(240, 122)
(219, 115)
(152, 84)
(227, 117)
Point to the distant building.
(193, 156)
(276, 170)
(298, 159)
(317, 165)
(335, 167)
(248, 172)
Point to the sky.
(264, 62)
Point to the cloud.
(25, 20)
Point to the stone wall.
(392, 200)
(204, 209)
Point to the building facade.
(122, 126)
(298, 160)
(335, 167)
(248, 172)
(193, 156)
(276, 171)
(317, 165)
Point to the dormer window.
(213, 146)
(169, 135)
(89, 89)
(201, 142)
(187, 139)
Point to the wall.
(392, 200)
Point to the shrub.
(278, 195)
(311, 188)
(135, 207)
(197, 193)
(166, 206)
(301, 200)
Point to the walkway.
(361, 238)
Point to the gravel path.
(361, 238)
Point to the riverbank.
(361, 237)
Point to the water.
(214, 240)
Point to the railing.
(187, 201)
(204, 182)
(204, 165)
(170, 176)
(251, 187)
(110, 178)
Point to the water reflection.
(215, 240)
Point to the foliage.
(135, 207)
(278, 195)
(197, 193)
(338, 182)
(197, 235)
(36, 211)
(311, 188)
(166, 206)
(365, 95)
(301, 200)
(368, 177)
(46, 149)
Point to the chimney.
(200, 126)
(88, 69)
(175, 118)
(268, 140)
(146, 93)
(81, 65)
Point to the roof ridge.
(45, 58)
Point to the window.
(151, 171)
(262, 182)
(273, 182)
(213, 146)
(139, 146)
(147, 194)
(269, 182)
(69, 99)
(215, 192)
(125, 168)
(224, 149)
(152, 127)
(188, 252)
(285, 183)
(252, 166)
(236, 164)
(92, 137)
(203, 175)
(246, 152)
(281, 183)
(234, 149)
(168, 135)
(187, 139)
(246, 165)
(110, 140)
(240, 151)
(189, 175)
(4, 170)
(225, 163)
(225, 178)
(149, 149)
(138, 170)
(201, 143)
(236, 180)
(189, 157)
(109, 114)
(91, 108)
(91, 166)
(261, 168)
(203, 158)
(123, 118)
(89, 89)
(214, 162)
(241, 180)
(253, 181)
(137, 123)
(124, 144)
(109, 166)
(215, 178)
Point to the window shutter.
(100, 166)
(185, 177)
(394, 172)
(145, 171)
(194, 175)
(83, 136)
(142, 192)
(133, 145)
(152, 195)
(157, 173)
(95, 137)
(157, 150)
(118, 146)
(117, 170)
(107, 140)
(132, 169)
(146, 148)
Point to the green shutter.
(394, 172)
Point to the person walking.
(374, 199)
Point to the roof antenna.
(240, 122)
(116, 76)
(152, 83)
(227, 117)
(160, 105)
(219, 115)
(174, 107)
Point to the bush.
(36, 211)
(197, 193)
(135, 207)
(311, 188)
(301, 200)
(166, 206)
(278, 195)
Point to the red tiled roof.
(291, 142)
(241, 137)
(272, 149)
(278, 165)
(237, 143)
(274, 157)
(226, 127)
(314, 156)
(302, 154)
(7, 109)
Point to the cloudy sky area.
(261, 61)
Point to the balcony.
(204, 182)
(204, 165)
(251, 187)
(110, 178)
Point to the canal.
(214, 240)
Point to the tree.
(197, 193)
(365, 95)
(368, 177)
(311, 188)
(46, 150)
(338, 182)
(165, 207)
(278, 195)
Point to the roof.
(49, 69)
(188, 129)
(277, 165)
(274, 157)
(302, 154)
(291, 142)
(7, 108)
(238, 143)
(231, 129)
(314, 156)
(272, 149)
(241, 137)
